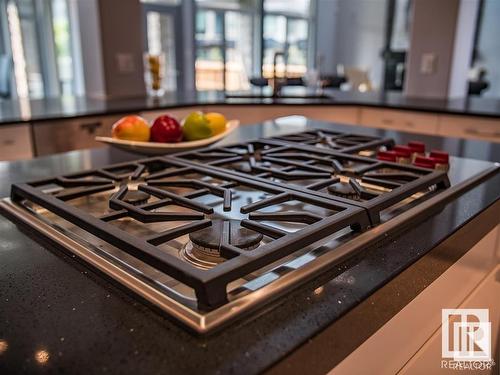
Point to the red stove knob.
(424, 162)
(417, 147)
(387, 156)
(402, 151)
(440, 157)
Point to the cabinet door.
(470, 127)
(67, 135)
(342, 115)
(15, 142)
(406, 336)
(428, 358)
(407, 121)
(252, 114)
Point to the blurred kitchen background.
(97, 48)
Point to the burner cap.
(207, 240)
(244, 167)
(343, 189)
(136, 197)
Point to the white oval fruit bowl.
(157, 148)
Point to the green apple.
(196, 126)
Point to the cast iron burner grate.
(243, 222)
(337, 141)
(351, 179)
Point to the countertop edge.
(240, 102)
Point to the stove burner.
(136, 197)
(207, 241)
(179, 233)
(244, 168)
(343, 189)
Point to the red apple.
(166, 129)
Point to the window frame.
(256, 17)
(43, 25)
(311, 33)
(311, 37)
(48, 59)
(176, 12)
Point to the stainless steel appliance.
(210, 235)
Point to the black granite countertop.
(19, 111)
(56, 315)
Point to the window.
(294, 7)
(161, 41)
(40, 43)
(239, 49)
(225, 44)
(164, 39)
(274, 41)
(210, 52)
(63, 47)
(24, 46)
(286, 30)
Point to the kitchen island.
(58, 315)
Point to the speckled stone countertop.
(19, 111)
(57, 315)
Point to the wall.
(351, 32)
(122, 35)
(188, 71)
(433, 29)
(112, 47)
(489, 46)
(91, 48)
(441, 48)
(326, 11)
(462, 49)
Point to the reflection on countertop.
(24, 110)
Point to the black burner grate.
(199, 194)
(342, 177)
(132, 187)
(337, 141)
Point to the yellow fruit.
(195, 127)
(131, 128)
(217, 122)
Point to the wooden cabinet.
(469, 127)
(410, 342)
(342, 115)
(15, 142)
(49, 137)
(52, 137)
(252, 114)
(426, 359)
(407, 121)
(247, 114)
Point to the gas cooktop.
(209, 235)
